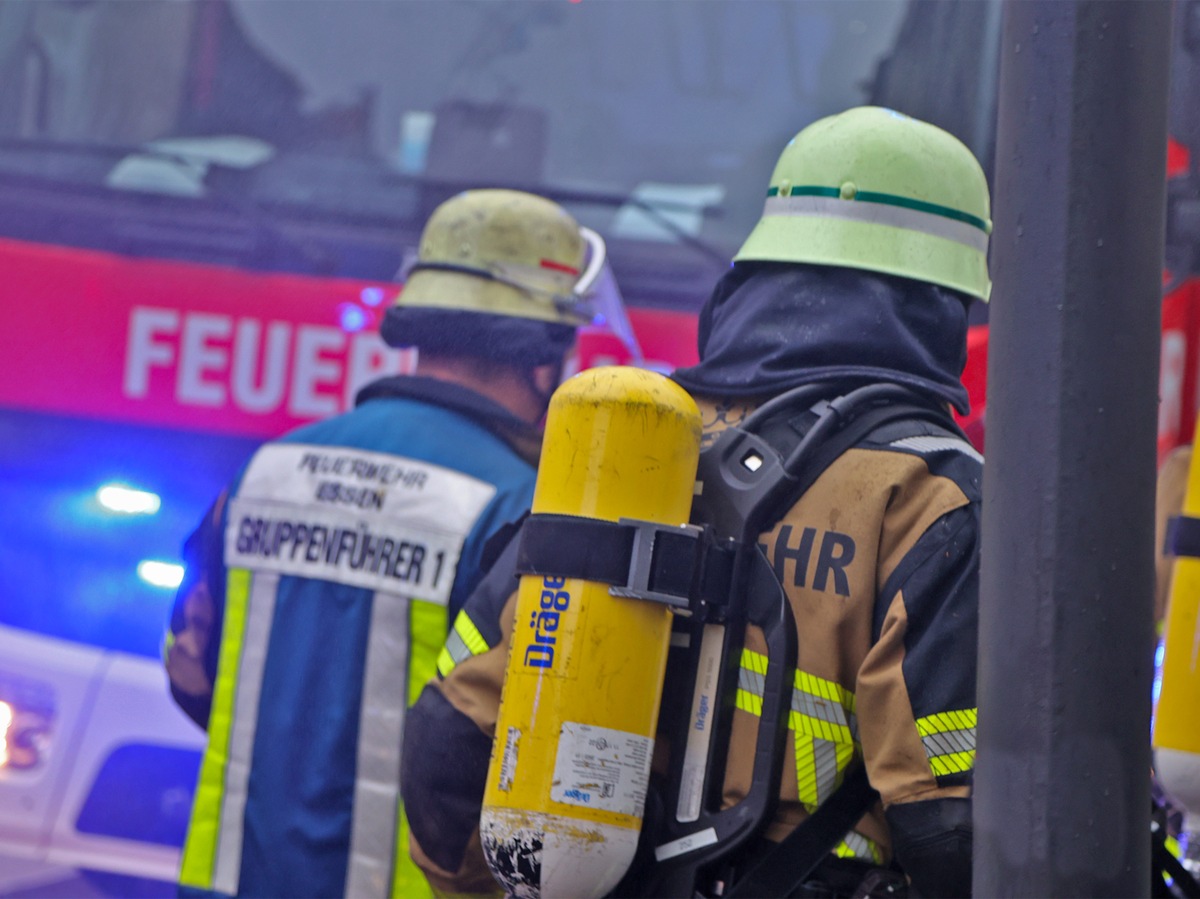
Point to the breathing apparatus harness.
(715, 577)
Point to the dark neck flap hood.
(523, 437)
(769, 327)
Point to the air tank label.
(597, 767)
(508, 761)
(367, 519)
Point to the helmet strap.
(565, 304)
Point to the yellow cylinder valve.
(570, 762)
(1176, 723)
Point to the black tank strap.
(671, 564)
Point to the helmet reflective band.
(501, 252)
(876, 190)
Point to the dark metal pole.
(1066, 645)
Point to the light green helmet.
(505, 252)
(873, 189)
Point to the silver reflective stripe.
(950, 742)
(260, 613)
(879, 214)
(820, 708)
(825, 767)
(457, 648)
(806, 703)
(859, 845)
(751, 681)
(929, 445)
(380, 727)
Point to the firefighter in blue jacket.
(872, 244)
(319, 586)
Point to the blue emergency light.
(125, 500)
(167, 575)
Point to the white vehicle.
(97, 764)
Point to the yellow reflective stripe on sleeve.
(200, 849)
(820, 765)
(855, 845)
(751, 672)
(823, 709)
(167, 643)
(949, 740)
(426, 634)
(945, 722)
(825, 732)
(465, 628)
(463, 642)
(1173, 847)
(952, 763)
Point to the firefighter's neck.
(510, 387)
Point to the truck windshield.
(659, 121)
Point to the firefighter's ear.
(546, 378)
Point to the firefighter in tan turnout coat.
(872, 244)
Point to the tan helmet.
(873, 189)
(507, 253)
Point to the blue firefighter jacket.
(314, 608)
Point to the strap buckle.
(684, 566)
(666, 557)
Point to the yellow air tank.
(1176, 719)
(571, 759)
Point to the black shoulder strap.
(789, 863)
(753, 473)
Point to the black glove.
(932, 842)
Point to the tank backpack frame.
(716, 578)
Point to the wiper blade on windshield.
(182, 167)
(140, 169)
(655, 209)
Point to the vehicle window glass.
(142, 792)
(683, 106)
(314, 137)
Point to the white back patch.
(367, 519)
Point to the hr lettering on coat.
(834, 556)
